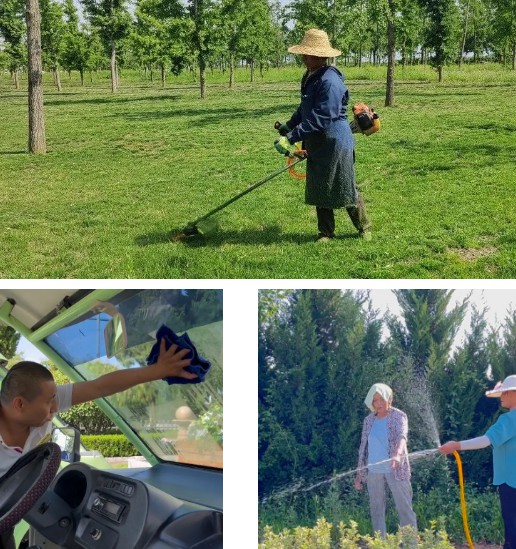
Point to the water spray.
(297, 487)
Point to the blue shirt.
(378, 447)
(502, 436)
(324, 98)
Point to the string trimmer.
(204, 224)
(365, 121)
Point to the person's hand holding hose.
(450, 447)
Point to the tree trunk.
(391, 56)
(252, 70)
(37, 142)
(231, 70)
(440, 72)
(202, 75)
(57, 78)
(464, 36)
(113, 69)
(514, 56)
(163, 75)
(81, 72)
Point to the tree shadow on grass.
(270, 235)
(491, 127)
(111, 100)
(207, 116)
(8, 153)
(440, 94)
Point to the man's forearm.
(112, 383)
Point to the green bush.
(110, 445)
(343, 504)
(347, 536)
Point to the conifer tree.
(429, 329)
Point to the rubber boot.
(358, 217)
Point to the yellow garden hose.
(463, 501)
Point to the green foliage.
(159, 37)
(300, 538)
(211, 421)
(348, 537)
(437, 511)
(443, 32)
(52, 32)
(309, 426)
(9, 339)
(12, 30)
(88, 418)
(201, 34)
(109, 445)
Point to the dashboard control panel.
(109, 508)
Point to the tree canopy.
(171, 36)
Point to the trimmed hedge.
(110, 445)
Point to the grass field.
(123, 172)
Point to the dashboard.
(92, 509)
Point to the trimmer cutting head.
(188, 232)
(199, 228)
(191, 230)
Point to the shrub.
(109, 445)
(440, 507)
(320, 536)
(300, 537)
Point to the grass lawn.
(125, 171)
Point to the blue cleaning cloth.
(199, 365)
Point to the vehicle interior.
(177, 428)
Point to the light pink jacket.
(397, 429)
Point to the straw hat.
(509, 384)
(315, 42)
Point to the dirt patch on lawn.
(472, 254)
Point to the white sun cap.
(509, 384)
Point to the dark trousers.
(357, 214)
(7, 540)
(508, 504)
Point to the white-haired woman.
(502, 437)
(383, 459)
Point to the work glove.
(281, 144)
(283, 129)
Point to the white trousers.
(401, 491)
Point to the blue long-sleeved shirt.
(324, 98)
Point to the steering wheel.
(26, 481)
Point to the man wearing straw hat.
(502, 437)
(320, 122)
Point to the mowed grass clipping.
(125, 172)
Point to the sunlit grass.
(123, 172)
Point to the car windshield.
(178, 422)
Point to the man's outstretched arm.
(170, 363)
